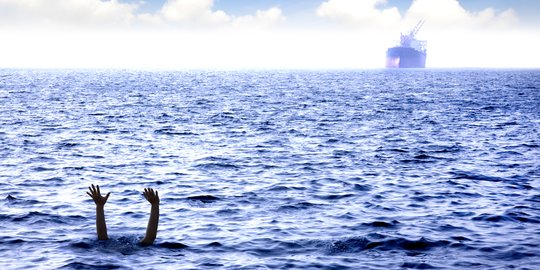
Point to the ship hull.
(405, 57)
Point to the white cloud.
(112, 13)
(363, 13)
(450, 14)
(439, 13)
(65, 13)
(198, 11)
(111, 34)
(267, 17)
(108, 34)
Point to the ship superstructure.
(411, 53)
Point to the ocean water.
(376, 169)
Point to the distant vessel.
(411, 53)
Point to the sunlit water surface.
(382, 169)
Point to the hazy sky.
(270, 34)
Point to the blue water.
(380, 169)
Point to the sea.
(272, 169)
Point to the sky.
(264, 34)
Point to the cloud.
(113, 34)
(112, 13)
(360, 13)
(198, 11)
(267, 17)
(67, 13)
(185, 34)
(439, 13)
(450, 14)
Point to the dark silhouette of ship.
(411, 53)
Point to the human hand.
(95, 193)
(151, 196)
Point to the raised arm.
(100, 201)
(151, 231)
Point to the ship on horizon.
(411, 53)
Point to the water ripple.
(381, 169)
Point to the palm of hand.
(151, 196)
(95, 194)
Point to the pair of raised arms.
(151, 230)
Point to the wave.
(173, 131)
(381, 224)
(516, 180)
(216, 163)
(35, 217)
(297, 206)
(358, 244)
(87, 266)
(419, 265)
(204, 198)
(509, 216)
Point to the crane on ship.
(407, 39)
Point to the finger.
(98, 191)
(94, 189)
(89, 194)
(89, 188)
(157, 196)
